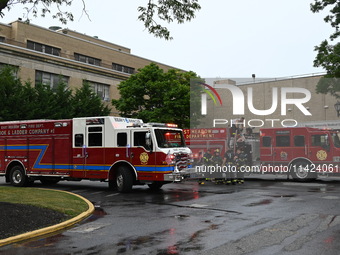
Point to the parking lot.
(262, 216)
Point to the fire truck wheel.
(300, 172)
(18, 177)
(112, 185)
(124, 179)
(155, 185)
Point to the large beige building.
(320, 106)
(46, 55)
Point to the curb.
(51, 229)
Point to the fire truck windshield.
(169, 138)
(336, 139)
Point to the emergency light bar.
(154, 124)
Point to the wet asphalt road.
(263, 216)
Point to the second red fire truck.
(302, 153)
(121, 151)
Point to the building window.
(50, 79)
(87, 59)
(43, 48)
(124, 69)
(102, 90)
(2, 39)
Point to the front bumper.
(178, 176)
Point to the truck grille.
(182, 160)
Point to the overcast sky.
(227, 39)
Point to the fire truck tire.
(17, 176)
(112, 185)
(49, 181)
(299, 172)
(155, 185)
(124, 179)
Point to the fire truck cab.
(305, 152)
(121, 151)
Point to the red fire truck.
(121, 151)
(302, 152)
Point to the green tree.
(328, 55)
(23, 102)
(167, 11)
(62, 99)
(46, 102)
(10, 94)
(156, 96)
(87, 103)
(162, 10)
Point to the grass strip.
(59, 201)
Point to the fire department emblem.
(321, 155)
(144, 157)
(283, 155)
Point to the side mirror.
(148, 139)
(326, 146)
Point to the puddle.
(321, 190)
(290, 195)
(132, 244)
(137, 241)
(97, 213)
(127, 245)
(266, 184)
(173, 250)
(262, 202)
(181, 216)
(213, 226)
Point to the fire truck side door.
(94, 151)
(142, 154)
(319, 149)
(79, 155)
(266, 149)
(299, 144)
(282, 147)
(88, 151)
